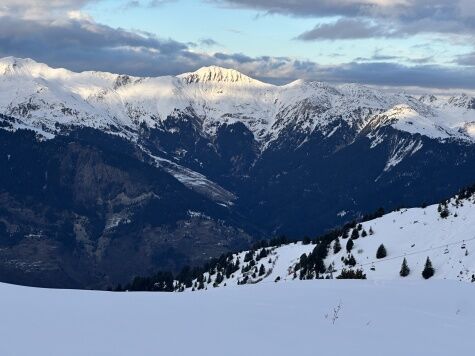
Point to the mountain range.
(106, 176)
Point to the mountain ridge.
(216, 97)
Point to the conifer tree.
(349, 245)
(345, 234)
(355, 234)
(336, 246)
(381, 252)
(262, 270)
(405, 270)
(428, 269)
(219, 278)
(351, 261)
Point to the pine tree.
(371, 231)
(405, 270)
(349, 245)
(351, 261)
(248, 256)
(428, 269)
(350, 274)
(444, 213)
(262, 270)
(355, 234)
(345, 234)
(364, 233)
(336, 246)
(381, 252)
(219, 278)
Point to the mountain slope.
(74, 208)
(445, 233)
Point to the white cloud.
(40, 9)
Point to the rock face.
(104, 176)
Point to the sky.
(419, 44)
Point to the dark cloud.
(403, 17)
(304, 8)
(208, 42)
(80, 44)
(392, 74)
(380, 56)
(466, 59)
(346, 28)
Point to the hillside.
(445, 233)
(302, 318)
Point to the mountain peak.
(462, 101)
(217, 74)
(9, 64)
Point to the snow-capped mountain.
(47, 99)
(178, 169)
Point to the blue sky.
(414, 43)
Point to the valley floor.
(331, 317)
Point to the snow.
(418, 233)
(40, 97)
(292, 318)
(414, 234)
(400, 150)
(194, 180)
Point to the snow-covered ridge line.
(47, 100)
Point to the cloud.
(320, 8)
(150, 3)
(209, 42)
(82, 44)
(75, 41)
(40, 9)
(371, 18)
(78, 43)
(346, 28)
(392, 74)
(466, 59)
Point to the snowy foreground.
(293, 318)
